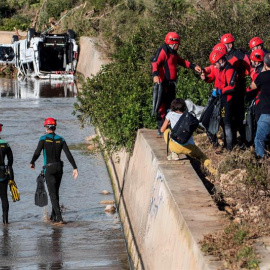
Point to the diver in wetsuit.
(5, 151)
(52, 146)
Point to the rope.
(51, 28)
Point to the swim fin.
(155, 95)
(15, 194)
(159, 96)
(41, 197)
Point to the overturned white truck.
(45, 56)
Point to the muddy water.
(91, 239)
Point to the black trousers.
(4, 197)
(168, 95)
(238, 112)
(53, 176)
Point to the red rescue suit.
(164, 65)
(225, 80)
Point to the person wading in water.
(52, 146)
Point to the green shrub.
(118, 99)
(17, 4)
(5, 10)
(17, 21)
(134, 31)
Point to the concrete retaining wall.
(164, 207)
(6, 36)
(90, 59)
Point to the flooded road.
(92, 239)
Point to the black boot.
(53, 217)
(5, 219)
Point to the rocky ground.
(242, 190)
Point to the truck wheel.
(14, 38)
(71, 34)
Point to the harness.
(3, 171)
(53, 154)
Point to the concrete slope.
(90, 59)
(164, 207)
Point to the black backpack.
(184, 127)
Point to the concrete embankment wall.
(90, 59)
(164, 207)
(6, 36)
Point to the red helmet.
(172, 38)
(215, 56)
(1, 127)
(220, 47)
(227, 38)
(257, 55)
(256, 41)
(50, 122)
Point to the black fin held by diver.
(250, 122)
(41, 197)
(215, 117)
(155, 95)
(159, 96)
(15, 194)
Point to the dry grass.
(243, 185)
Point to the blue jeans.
(263, 129)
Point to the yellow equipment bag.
(15, 194)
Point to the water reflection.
(5, 247)
(5, 242)
(35, 88)
(50, 250)
(91, 239)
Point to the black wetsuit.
(52, 146)
(5, 152)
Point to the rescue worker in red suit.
(240, 61)
(164, 71)
(224, 77)
(257, 43)
(218, 47)
(209, 107)
(257, 64)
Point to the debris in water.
(105, 192)
(107, 202)
(110, 209)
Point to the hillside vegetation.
(132, 30)
(118, 100)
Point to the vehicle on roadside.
(46, 56)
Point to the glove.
(214, 92)
(219, 92)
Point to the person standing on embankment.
(164, 71)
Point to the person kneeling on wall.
(178, 107)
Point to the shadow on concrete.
(219, 200)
